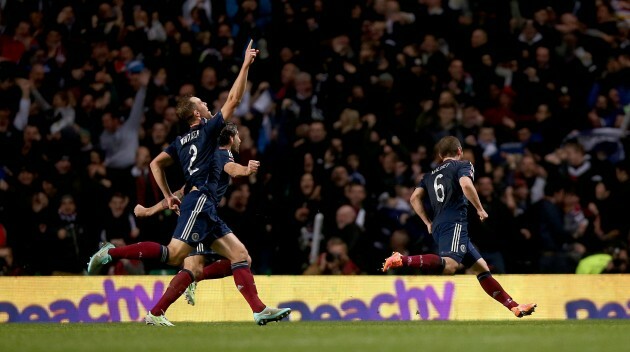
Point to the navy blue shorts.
(210, 255)
(204, 249)
(453, 242)
(199, 224)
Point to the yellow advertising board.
(128, 298)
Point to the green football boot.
(99, 259)
(159, 320)
(189, 294)
(271, 314)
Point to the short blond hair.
(448, 147)
(185, 108)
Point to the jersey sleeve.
(214, 125)
(172, 149)
(422, 183)
(466, 169)
(226, 157)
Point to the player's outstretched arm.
(238, 89)
(471, 194)
(142, 212)
(161, 162)
(236, 170)
(418, 207)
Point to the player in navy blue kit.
(198, 221)
(222, 167)
(449, 188)
(193, 150)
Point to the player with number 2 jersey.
(195, 148)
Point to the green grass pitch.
(517, 335)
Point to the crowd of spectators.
(345, 103)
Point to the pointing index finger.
(249, 46)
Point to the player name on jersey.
(439, 168)
(189, 137)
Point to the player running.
(221, 169)
(450, 187)
(198, 221)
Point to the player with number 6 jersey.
(450, 187)
(442, 186)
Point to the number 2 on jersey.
(193, 152)
(439, 188)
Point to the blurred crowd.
(345, 103)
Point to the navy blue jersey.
(218, 179)
(446, 195)
(195, 149)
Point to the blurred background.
(345, 103)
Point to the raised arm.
(236, 170)
(471, 193)
(40, 100)
(418, 207)
(21, 118)
(238, 89)
(162, 161)
(67, 119)
(137, 109)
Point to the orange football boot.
(524, 309)
(394, 261)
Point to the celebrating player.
(198, 222)
(221, 168)
(450, 187)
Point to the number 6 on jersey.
(439, 189)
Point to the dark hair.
(355, 183)
(330, 257)
(117, 194)
(230, 130)
(185, 108)
(448, 147)
(554, 186)
(448, 106)
(115, 113)
(623, 165)
(67, 196)
(7, 71)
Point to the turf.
(521, 335)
